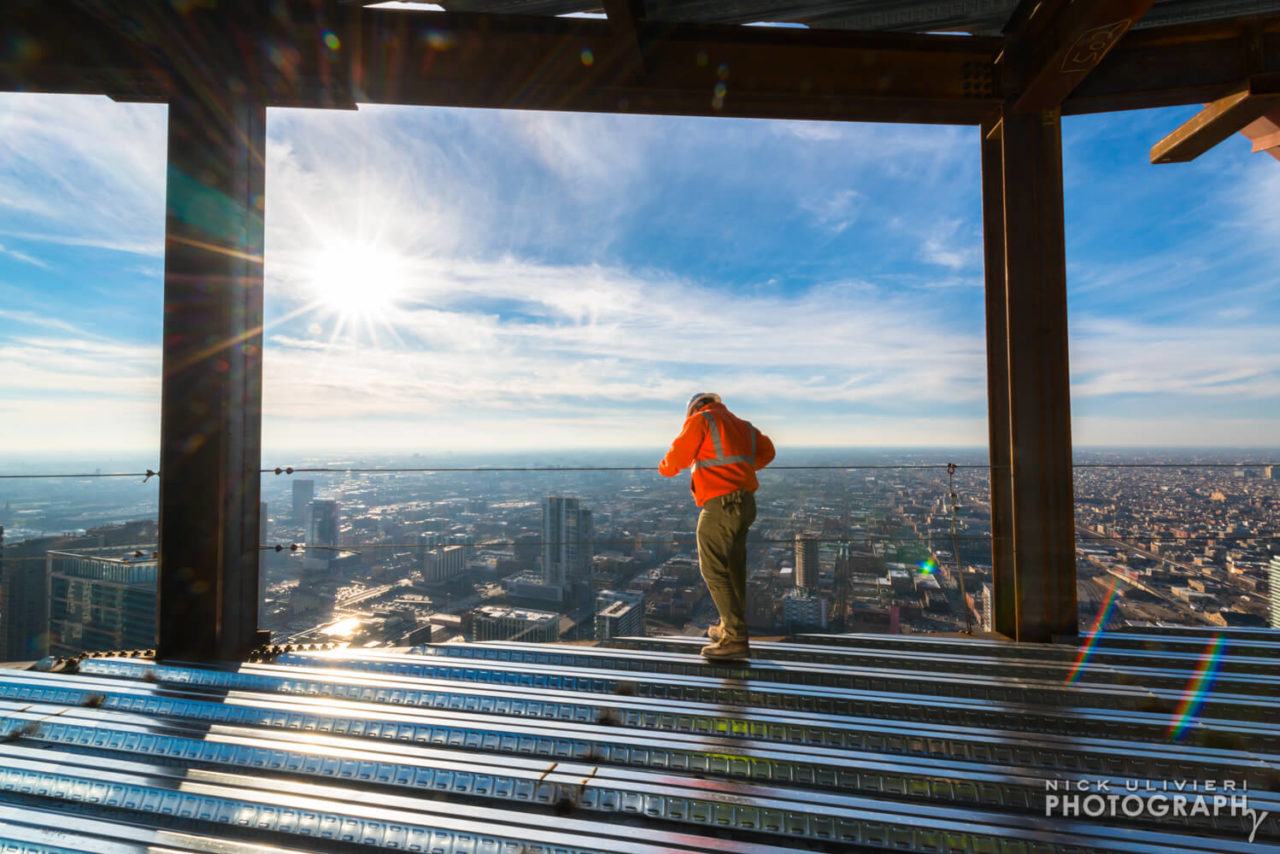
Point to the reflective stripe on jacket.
(724, 451)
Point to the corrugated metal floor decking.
(907, 743)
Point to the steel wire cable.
(289, 470)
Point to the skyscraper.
(303, 493)
(322, 530)
(1273, 583)
(264, 530)
(806, 576)
(566, 538)
(101, 599)
(619, 614)
(988, 605)
(24, 600)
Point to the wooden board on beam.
(1225, 117)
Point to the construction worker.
(725, 452)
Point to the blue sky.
(480, 280)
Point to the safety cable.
(289, 470)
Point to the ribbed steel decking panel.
(1166, 672)
(592, 669)
(1251, 644)
(367, 680)
(847, 649)
(520, 747)
(573, 727)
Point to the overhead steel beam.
(575, 64)
(1059, 43)
(136, 49)
(1224, 117)
(625, 17)
(1188, 64)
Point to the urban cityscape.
(403, 551)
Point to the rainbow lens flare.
(1095, 634)
(1198, 688)
(928, 566)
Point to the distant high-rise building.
(101, 599)
(264, 531)
(527, 547)
(619, 615)
(497, 622)
(806, 577)
(304, 492)
(24, 601)
(444, 563)
(1273, 584)
(804, 611)
(566, 539)
(988, 604)
(322, 530)
(1271, 472)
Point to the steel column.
(1003, 614)
(1030, 403)
(211, 415)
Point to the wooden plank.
(1048, 65)
(1225, 117)
(1042, 495)
(1003, 582)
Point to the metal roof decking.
(623, 749)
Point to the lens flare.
(1095, 634)
(357, 281)
(1198, 688)
(928, 566)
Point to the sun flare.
(358, 282)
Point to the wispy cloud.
(23, 257)
(82, 171)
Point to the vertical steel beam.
(1003, 614)
(211, 400)
(1039, 514)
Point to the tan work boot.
(727, 649)
(715, 632)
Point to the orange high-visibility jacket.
(725, 451)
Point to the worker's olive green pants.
(722, 556)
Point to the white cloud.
(1235, 362)
(947, 245)
(83, 170)
(833, 211)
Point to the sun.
(358, 282)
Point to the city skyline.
(516, 271)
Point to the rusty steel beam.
(1024, 231)
(1003, 584)
(1060, 43)
(211, 394)
(136, 50)
(1186, 64)
(506, 61)
(1224, 117)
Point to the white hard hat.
(700, 397)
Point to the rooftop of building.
(826, 742)
(506, 612)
